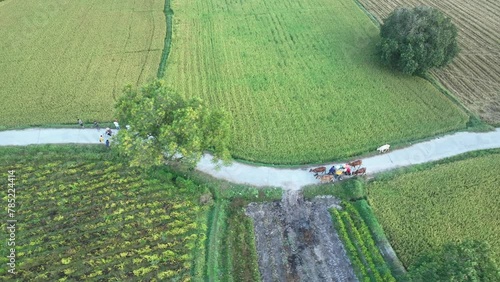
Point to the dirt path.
(296, 240)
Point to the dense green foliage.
(367, 260)
(301, 79)
(166, 127)
(453, 200)
(64, 59)
(415, 40)
(468, 261)
(86, 218)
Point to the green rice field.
(62, 59)
(301, 79)
(449, 202)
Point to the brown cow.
(355, 163)
(360, 171)
(317, 170)
(326, 178)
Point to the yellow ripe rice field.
(62, 59)
(448, 202)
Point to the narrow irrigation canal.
(296, 240)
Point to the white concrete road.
(291, 179)
(294, 179)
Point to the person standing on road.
(116, 124)
(96, 125)
(101, 139)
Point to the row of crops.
(232, 251)
(91, 219)
(301, 79)
(62, 60)
(365, 255)
(425, 207)
(474, 75)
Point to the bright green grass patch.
(64, 59)
(366, 257)
(83, 218)
(422, 210)
(301, 79)
(231, 250)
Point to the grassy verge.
(167, 10)
(216, 245)
(350, 190)
(87, 124)
(231, 251)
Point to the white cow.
(384, 148)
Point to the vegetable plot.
(362, 250)
(94, 220)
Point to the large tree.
(416, 40)
(467, 261)
(164, 127)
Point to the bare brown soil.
(474, 75)
(296, 240)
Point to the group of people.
(107, 133)
(341, 169)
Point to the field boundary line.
(372, 17)
(167, 10)
(149, 47)
(429, 76)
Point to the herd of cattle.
(349, 169)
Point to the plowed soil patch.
(296, 240)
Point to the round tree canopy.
(416, 40)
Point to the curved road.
(289, 179)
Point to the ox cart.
(337, 173)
